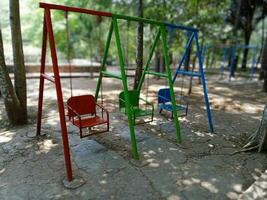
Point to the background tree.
(139, 49)
(244, 15)
(264, 66)
(15, 98)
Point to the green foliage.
(88, 36)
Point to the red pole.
(64, 133)
(41, 83)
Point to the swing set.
(230, 52)
(82, 110)
(164, 97)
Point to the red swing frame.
(49, 36)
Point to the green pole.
(148, 61)
(103, 63)
(125, 88)
(168, 71)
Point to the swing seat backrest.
(164, 95)
(134, 99)
(83, 105)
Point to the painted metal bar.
(137, 19)
(74, 9)
(64, 133)
(188, 45)
(175, 26)
(111, 75)
(252, 68)
(223, 62)
(188, 73)
(231, 74)
(103, 64)
(41, 82)
(168, 71)
(204, 50)
(245, 46)
(118, 16)
(146, 68)
(47, 77)
(157, 74)
(125, 89)
(205, 92)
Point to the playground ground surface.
(203, 166)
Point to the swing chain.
(68, 50)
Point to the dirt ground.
(204, 166)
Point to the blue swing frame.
(225, 53)
(163, 93)
(253, 63)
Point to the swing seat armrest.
(147, 103)
(76, 114)
(103, 109)
(166, 99)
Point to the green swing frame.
(132, 110)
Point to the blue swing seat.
(164, 102)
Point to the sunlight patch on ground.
(47, 145)
(173, 197)
(2, 171)
(4, 139)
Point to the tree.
(245, 15)
(15, 98)
(264, 66)
(139, 49)
(258, 140)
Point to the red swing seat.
(82, 113)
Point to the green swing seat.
(138, 111)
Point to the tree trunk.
(258, 140)
(15, 98)
(11, 101)
(264, 65)
(139, 50)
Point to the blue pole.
(223, 61)
(204, 84)
(188, 45)
(203, 53)
(252, 68)
(232, 63)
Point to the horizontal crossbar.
(108, 14)
(47, 77)
(156, 74)
(188, 73)
(175, 26)
(74, 9)
(111, 75)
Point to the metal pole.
(41, 82)
(253, 63)
(168, 71)
(64, 133)
(187, 47)
(125, 88)
(232, 63)
(152, 48)
(104, 61)
(204, 84)
(223, 62)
